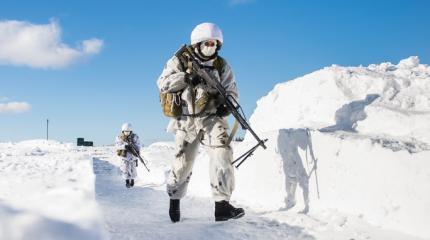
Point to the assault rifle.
(135, 152)
(189, 59)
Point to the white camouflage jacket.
(120, 144)
(172, 80)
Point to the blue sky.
(266, 42)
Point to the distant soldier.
(124, 145)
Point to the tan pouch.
(121, 153)
(202, 101)
(171, 104)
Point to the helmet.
(206, 31)
(126, 127)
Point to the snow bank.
(356, 175)
(384, 99)
(372, 145)
(47, 192)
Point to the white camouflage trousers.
(221, 171)
(128, 168)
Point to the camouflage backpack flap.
(219, 65)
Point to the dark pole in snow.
(47, 129)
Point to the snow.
(384, 99)
(47, 192)
(141, 212)
(369, 132)
(356, 175)
(366, 126)
(35, 177)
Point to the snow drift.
(47, 192)
(384, 99)
(370, 136)
(356, 175)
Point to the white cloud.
(14, 107)
(40, 46)
(92, 46)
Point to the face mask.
(208, 51)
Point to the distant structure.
(239, 139)
(82, 142)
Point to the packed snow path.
(141, 213)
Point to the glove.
(222, 111)
(192, 79)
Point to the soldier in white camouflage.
(203, 122)
(124, 145)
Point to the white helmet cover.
(206, 31)
(126, 127)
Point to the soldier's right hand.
(192, 79)
(222, 111)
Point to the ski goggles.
(210, 43)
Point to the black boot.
(127, 183)
(174, 211)
(225, 211)
(131, 182)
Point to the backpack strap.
(219, 65)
